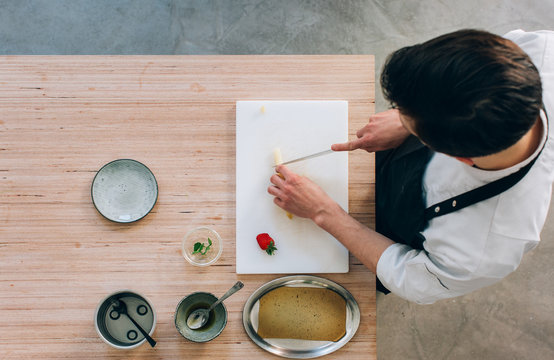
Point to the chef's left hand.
(298, 194)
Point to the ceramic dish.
(299, 349)
(124, 191)
(215, 325)
(116, 329)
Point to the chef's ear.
(465, 160)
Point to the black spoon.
(120, 307)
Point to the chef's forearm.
(365, 244)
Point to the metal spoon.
(121, 307)
(199, 317)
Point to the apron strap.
(484, 192)
(477, 195)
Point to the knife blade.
(317, 154)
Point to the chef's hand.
(384, 131)
(298, 194)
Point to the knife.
(325, 152)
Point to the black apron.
(401, 214)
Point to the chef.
(464, 165)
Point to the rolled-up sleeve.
(411, 274)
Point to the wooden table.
(63, 117)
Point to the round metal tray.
(299, 349)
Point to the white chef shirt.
(479, 245)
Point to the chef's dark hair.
(469, 93)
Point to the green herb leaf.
(207, 247)
(198, 247)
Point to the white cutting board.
(298, 128)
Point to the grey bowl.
(124, 191)
(117, 330)
(215, 325)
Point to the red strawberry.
(266, 243)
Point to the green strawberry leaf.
(271, 248)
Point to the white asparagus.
(278, 158)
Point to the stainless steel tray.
(299, 349)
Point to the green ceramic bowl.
(214, 326)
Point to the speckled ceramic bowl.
(215, 324)
(124, 190)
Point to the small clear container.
(201, 235)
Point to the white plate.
(292, 348)
(124, 190)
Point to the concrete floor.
(511, 320)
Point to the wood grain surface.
(64, 117)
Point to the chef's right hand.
(383, 131)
